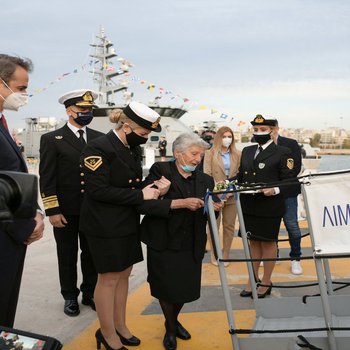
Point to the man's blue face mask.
(84, 118)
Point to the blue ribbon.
(229, 188)
(216, 198)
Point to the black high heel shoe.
(100, 339)
(267, 292)
(246, 294)
(132, 341)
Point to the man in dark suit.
(62, 190)
(20, 233)
(290, 217)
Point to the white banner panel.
(327, 201)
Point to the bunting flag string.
(128, 78)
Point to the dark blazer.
(61, 177)
(271, 165)
(292, 191)
(12, 249)
(163, 229)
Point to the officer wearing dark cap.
(62, 187)
(265, 162)
(109, 217)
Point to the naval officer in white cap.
(109, 217)
(62, 188)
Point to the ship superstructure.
(112, 83)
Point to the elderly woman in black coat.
(176, 234)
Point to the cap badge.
(290, 163)
(93, 162)
(261, 165)
(156, 123)
(58, 137)
(259, 119)
(87, 97)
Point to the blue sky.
(287, 59)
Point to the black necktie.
(260, 149)
(81, 137)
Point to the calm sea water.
(331, 163)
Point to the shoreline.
(334, 152)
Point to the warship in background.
(103, 75)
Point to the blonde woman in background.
(222, 162)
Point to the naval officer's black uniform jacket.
(61, 179)
(273, 164)
(109, 218)
(12, 249)
(62, 187)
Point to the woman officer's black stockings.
(171, 312)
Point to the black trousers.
(12, 256)
(68, 240)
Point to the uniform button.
(82, 191)
(254, 173)
(81, 174)
(246, 172)
(130, 181)
(82, 182)
(132, 188)
(80, 166)
(137, 180)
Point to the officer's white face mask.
(15, 100)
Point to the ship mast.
(104, 71)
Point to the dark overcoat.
(162, 232)
(12, 248)
(175, 238)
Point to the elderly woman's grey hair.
(184, 141)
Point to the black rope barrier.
(278, 331)
(309, 257)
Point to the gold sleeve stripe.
(50, 198)
(51, 204)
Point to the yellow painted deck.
(209, 329)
